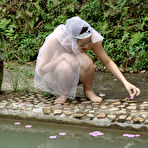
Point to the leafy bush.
(25, 24)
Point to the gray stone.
(145, 102)
(122, 117)
(37, 110)
(114, 109)
(2, 105)
(111, 117)
(86, 102)
(87, 110)
(144, 113)
(133, 104)
(146, 121)
(116, 103)
(132, 107)
(91, 112)
(79, 115)
(103, 107)
(90, 115)
(28, 108)
(121, 112)
(129, 118)
(144, 105)
(121, 106)
(76, 110)
(68, 113)
(74, 102)
(41, 104)
(57, 112)
(88, 107)
(101, 115)
(46, 110)
(138, 120)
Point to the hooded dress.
(63, 41)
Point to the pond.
(24, 134)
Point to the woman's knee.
(63, 68)
(87, 62)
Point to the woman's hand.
(132, 89)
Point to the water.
(17, 136)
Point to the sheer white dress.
(62, 78)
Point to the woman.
(62, 62)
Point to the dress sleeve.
(96, 36)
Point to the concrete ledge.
(127, 114)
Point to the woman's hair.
(84, 29)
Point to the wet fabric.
(59, 60)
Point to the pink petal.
(62, 134)
(131, 97)
(28, 126)
(131, 136)
(137, 135)
(17, 123)
(52, 137)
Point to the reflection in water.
(128, 145)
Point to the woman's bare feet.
(60, 100)
(92, 96)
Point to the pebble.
(79, 115)
(46, 110)
(91, 112)
(132, 107)
(101, 115)
(86, 102)
(117, 103)
(37, 110)
(121, 112)
(146, 121)
(68, 113)
(138, 119)
(74, 102)
(144, 105)
(28, 108)
(114, 109)
(88, 107)
(103, 107)
(122, 117)
(90, 115)
(57, 112)
(111, 117)
(2, 105)
(129, 118)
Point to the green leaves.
(123, 23)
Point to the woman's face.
(84, 44)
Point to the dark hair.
(84, 29)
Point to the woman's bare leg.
(86, 78)
(64, 74)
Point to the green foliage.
(25, 24)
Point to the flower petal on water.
(28, 126)
(17, 123)
(52, 137)
(62, 134)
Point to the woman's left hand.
(132, 89)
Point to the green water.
(17, 136)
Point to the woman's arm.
(101, 54)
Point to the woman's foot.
(60, 100)
(92, 96)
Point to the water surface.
(18, 136)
